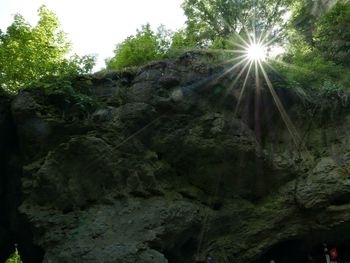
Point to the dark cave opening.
(181, 247)
(290, 251)
(302, 251)
(183, 252)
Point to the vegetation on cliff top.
(316, 49)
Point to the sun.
(256, 52)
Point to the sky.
(96, 26)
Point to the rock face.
(163, 170)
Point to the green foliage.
(31, 53)
(222, 49)
(14, 258)
(182, 41)
(302, 18)
(210, 24)
(306, 66)
(66, 89)
(140, 49)
(318, 57)
(209, 19)
(310, 70)
(332, 34)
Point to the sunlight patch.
(256, 52)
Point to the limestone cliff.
(161, 169)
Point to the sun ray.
(244, 51)
(241, 38)
(266, 34)
(249, 35)
(236, 33)
(241, 46)
(255, 53)
(230, 69)
(223, 50)
(263, 36)
(243, 88)
(241, 57)
(257, 108)
(238, 76)
(273, 39)
(285, 117)
(271, 67)
(299, 89)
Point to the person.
(326, 254)
(333, 255)
(209, 259)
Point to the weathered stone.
(164, 170)
(128, 231)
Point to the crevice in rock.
(15, 228)
(340, 200)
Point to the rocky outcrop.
(161, 169)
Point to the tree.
(211, 19)
(303, 19)
(181, 39)
(318, 46)
(332, 34)
(29, 53)
(144, 47)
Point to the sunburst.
(255, 54)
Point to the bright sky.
(96, 26)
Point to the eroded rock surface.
(164, 170)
